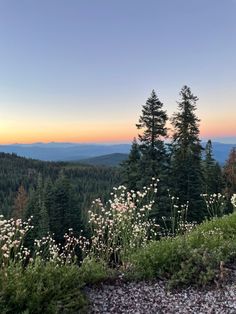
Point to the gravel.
(153, 297)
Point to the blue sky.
(81, 70)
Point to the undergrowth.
(44, 288)
(194, 258)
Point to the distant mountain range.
(64, 151)
(97, 154)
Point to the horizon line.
(204, 138)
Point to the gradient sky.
(80, 71)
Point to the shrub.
(193, 258)
(93, 271)
(41, 288)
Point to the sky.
(80, 71)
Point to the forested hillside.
(28, 186)
(106, 160)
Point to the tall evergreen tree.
(186, 154)
(66, 214)
(153, 123)
(34, 208)
(131, 167)
(49, 197)
(208, 169)
(43, 221)
(213, 181)
(20, 203)
(219, 180)
(230, 173)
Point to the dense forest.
(57, 195)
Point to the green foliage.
(153, 123)
(89, 181)
(193, 258)
(131, 168)
(148, 158)
(93, 271)
(110, 160)
(43, 221)
(230, 174)
(213, 178)
(64, 212)
(41, 288)
(53, 191)
(219, 182)
(186, 172)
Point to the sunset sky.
(79, 71)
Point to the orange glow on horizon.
(118, 138)
(218, 128)
(85, 136)
(116, 132)
(74, 139)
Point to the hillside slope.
(106, 160)
(88, 181)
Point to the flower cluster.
(177, 222)
(12, 249)
(122, 224)
(48, 250)
(215, 232)
(233, 200)
(215, 204)
(12, 234)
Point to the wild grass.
(194, 258)
(43, 288)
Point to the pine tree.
(186, 155)
(49, 200)
(153, 123)
(208, 169)
(43, 221)
(34, 208)
(66, 214)
(131, 167)
(230, 173)
(213, 182)
(218, 177)
(61, 204)
(20, 203)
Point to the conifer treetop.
(185, 122)
(152, 120)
